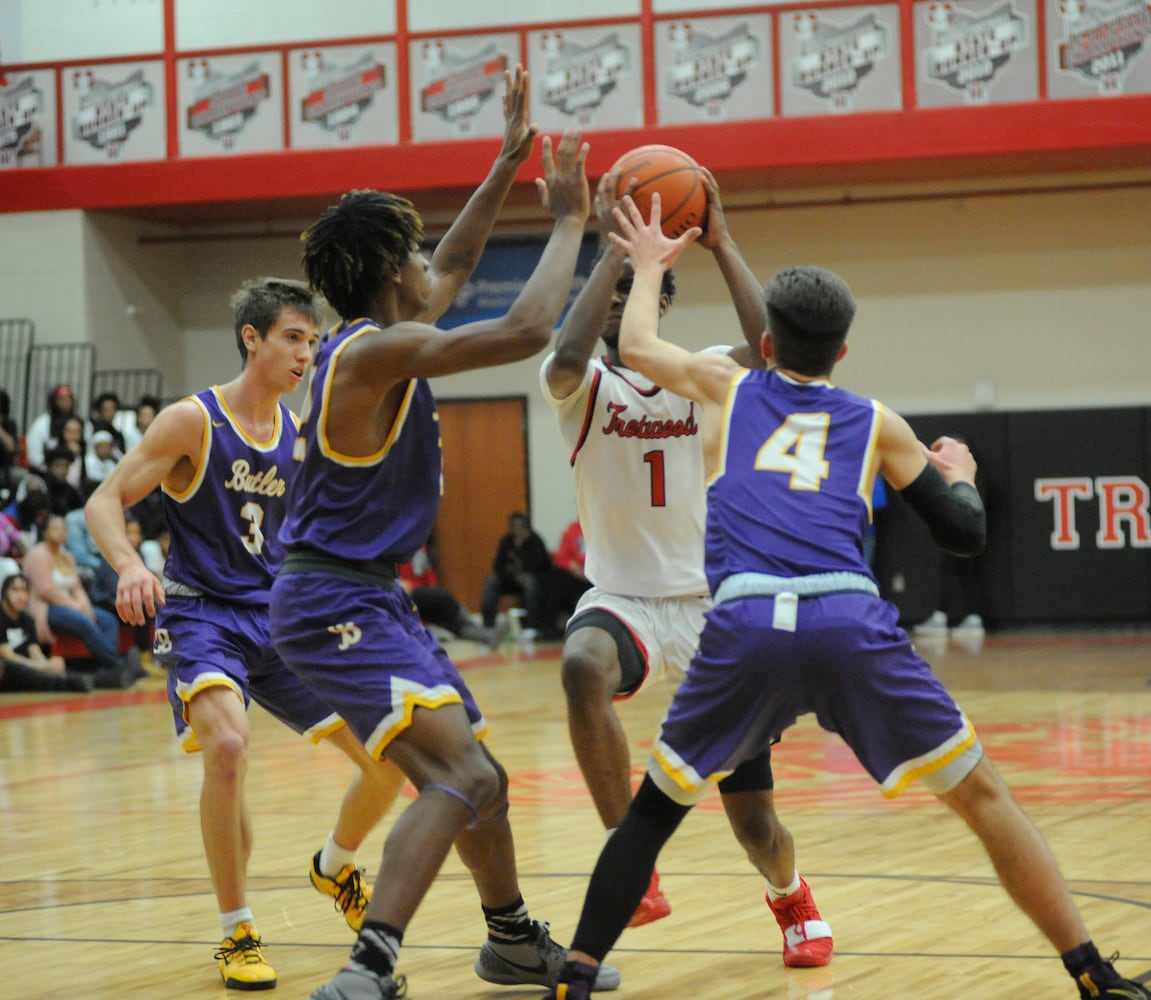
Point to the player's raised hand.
(605, 201)
(645, 242)
(715, 230)
(519, 133)
(564, 188)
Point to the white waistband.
(740, 585)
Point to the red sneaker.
(807, 938)
(654, 905)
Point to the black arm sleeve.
(954, 513)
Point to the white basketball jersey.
(636, 453)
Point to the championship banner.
(230, 104)
(344, 96)
(28, 120)
(458, 86)
(714, 69)
(586, 77)
(114, 113)
(1098, 49)
(978, 53)
(838, 60)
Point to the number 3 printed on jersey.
(253, 541)
(797, 448)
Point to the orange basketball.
(677, 178)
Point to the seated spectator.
(47, 426)
(24, 665)
(438, 606)
(96, 573)
(521, 563)
(566, 582)
(141, 420)
(9, 444)
(29, 510)
(61, 605)
(62, 495)
(72, 442)
(106, 415)
(101, 458)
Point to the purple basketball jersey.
(378, 507)
(225, 526)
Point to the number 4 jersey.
(637, 456)
(225, 526)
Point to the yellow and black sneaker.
(347, 889)
(242, 964)
(1104, 983)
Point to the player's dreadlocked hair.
(260, 301)
(355, 245)
(809, 311)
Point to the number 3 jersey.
(225, 526)
(637, 456)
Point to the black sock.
(624, 869)
(578, 972)
(377, 947)
(510, 923)
(1085, 958)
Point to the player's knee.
(588, 676)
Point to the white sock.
(776, 893)
(333, 858)
(230, 921)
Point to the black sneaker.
(83, 683)
(1103, 982)
(536, 961)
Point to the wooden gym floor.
(104, 891)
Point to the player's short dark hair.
(356, 245)
(259, 302)
(809, 311)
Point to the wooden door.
(485, 479)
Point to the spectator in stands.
(133, 430)
(107, 416)
(73, 440)
(62, 495)
(24, 664)
(438, 606)
(9, 444)
(29, 510)
(566, 582)
(101, 458)
(97, 575)
(521, 563)
(61, 405)
(60, 605)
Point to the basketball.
(677, 178)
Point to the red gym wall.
(768, 96)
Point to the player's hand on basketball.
(138, 592)
(564, 188)
(605, 201)
(520, 133)
(644, 241)
(715, 231)
(953, 459)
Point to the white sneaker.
(971, 626)
(936, 625)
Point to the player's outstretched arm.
(458, 253)
(171, 447)
(416, 350)
(744, 287)
(702, 377)
(938, 483)
(585, 320)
